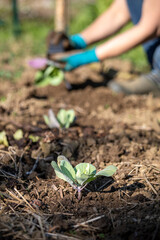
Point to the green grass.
(31, 41)
(84, 14)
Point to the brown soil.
(109, 129)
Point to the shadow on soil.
(107, 77)
(102, 183)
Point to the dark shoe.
(149, 83)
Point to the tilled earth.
(109, 129)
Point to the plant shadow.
(102, 183)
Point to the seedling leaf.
(86, 168)
(107, 172)
(62, 117)
(84, 171)
(60, 174)
(70, 117)
(18, 134)
(66, 117)
(50, 76)
(40, 81)
(66, 167)
(3, 139)
(48, 71)
(55, 76)
(46, 120)
(34, 138)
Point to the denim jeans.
(151, 47)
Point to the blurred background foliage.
(36, 22)
(86, 13)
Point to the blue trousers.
(151, 47)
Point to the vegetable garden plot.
(109, 130)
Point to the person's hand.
(59, 42)
(77, 41)
(79, 59)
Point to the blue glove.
(79, 59)
(77, 41)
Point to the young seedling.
(18, 134)
(49, 76)
(34, 138)
(3, 139)
(64, 118)
(79, 176)
(51, 120)
(53, 74)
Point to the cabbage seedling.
(49, 76)
(3, 139)
(18, 134)
(64, 118)
(79, 176)
(34, 138)
(51, 120)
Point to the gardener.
(145, 14)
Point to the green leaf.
(38, 75)
(66, 167)
(50, 76)
(48, 71)
(107, 172)
(90, 179)
(18, 134)
(84, 171)
(70, 117)
(39, 78)
(66, 117)
(46, 120)
(42, 82)
(59, 174)
(62, 117)
(34, 138)
(81, 178)
(56, 80)
(3, 139)
(86, 168)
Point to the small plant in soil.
(3, 139)
(49, 76)
(63, 120)
(79, 176)
(18, 134)
(34, 138)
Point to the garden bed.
(110, 129)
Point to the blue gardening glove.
(77, 41)
(79, 59)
